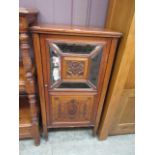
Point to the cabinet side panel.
(106, 81)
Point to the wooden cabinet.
(73, 66)
(28, 109)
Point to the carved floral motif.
(75, 68)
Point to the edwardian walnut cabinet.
(73, 66)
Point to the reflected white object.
(56, 69)
(56, 61)
(56, 75)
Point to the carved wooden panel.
(74, 68)
(72, 109)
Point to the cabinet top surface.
(74, 30)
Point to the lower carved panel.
(72, 110)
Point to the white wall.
(70, 12)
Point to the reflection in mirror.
(73, 85)
(55, 66)
(75, 48)
(94, 67)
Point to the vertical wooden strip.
(121, 69)
(120, 15)
(106, 78)
(44, 70)
(30, 84)
(37, 53)
(110, 12)
(35, 121)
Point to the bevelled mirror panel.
(93, 59)
(94, 67)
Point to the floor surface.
(78, 142)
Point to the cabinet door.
(73, 65)
(72, 110)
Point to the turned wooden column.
(27, 18)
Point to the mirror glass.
(94, 67)
(76, 48)
(55, 66)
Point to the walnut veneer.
(73, 68)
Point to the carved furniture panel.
(72, 110)
(74, 68)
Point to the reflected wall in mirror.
(73, 85)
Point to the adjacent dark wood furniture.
(73, 67)
(119, 111)
(28, 112)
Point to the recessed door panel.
(72, 109)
